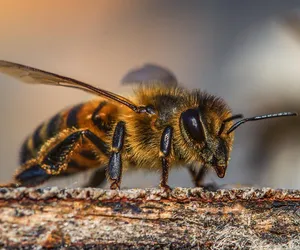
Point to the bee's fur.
(145, 131)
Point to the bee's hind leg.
(54, 156)
(30, 175)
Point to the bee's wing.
(32, 75)
(150, 73)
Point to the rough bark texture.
(150, 219)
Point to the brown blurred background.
(248, 52)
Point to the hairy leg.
(54, 157)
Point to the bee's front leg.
(197, 176)
(164, 153)
(114, 170)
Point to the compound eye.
(192, 125)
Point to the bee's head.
(203, 131)
(207, 131)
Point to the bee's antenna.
(261, 117)
(228, 120)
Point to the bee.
(163, 125)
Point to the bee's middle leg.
(54, 157)
(114, 169)
(164, 153)
(98, 178)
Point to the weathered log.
(150, 219)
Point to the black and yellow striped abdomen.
(97, 115)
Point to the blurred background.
(247, 52)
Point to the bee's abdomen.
(26, 152)
(98, 116)
(42, 133)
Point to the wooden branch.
(151, 218)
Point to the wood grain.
(149, 218)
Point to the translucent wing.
(32, 75)
(150, 73)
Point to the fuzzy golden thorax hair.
(144, 132)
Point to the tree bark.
(150, 218)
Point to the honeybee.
(163, 125)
